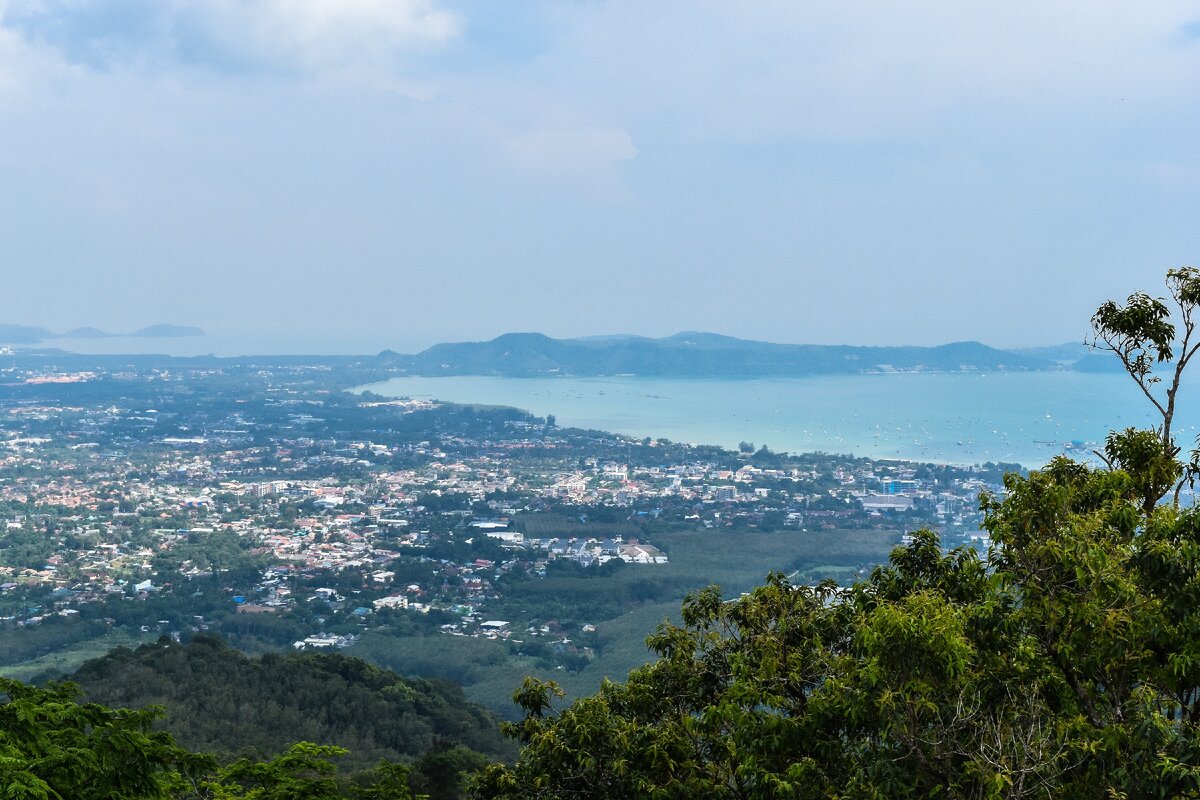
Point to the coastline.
(944, 418)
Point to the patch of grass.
(740, 561)
(69, 659)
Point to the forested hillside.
(220, 701)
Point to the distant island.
(690, 354)
(710, 355)
(27, 334)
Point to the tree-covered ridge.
(694, 354)
(220, 701)
(226, 727)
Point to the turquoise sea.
(961, 418)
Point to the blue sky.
(333, 175)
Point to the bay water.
(959, 418)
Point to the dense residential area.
(265, 502)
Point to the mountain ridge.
(703, 354)
(28, 334)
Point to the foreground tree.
(1065, 664)
(1151, 335)
(52, 747)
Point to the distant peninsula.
(710, 355)
(26, 334)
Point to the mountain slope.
(23, 334)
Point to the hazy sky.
(333, 175)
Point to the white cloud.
(321, 34)
(647, 142)
(307, 36)
(26, 69)
(764, 69)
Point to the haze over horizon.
(354, 175)
(222, 344)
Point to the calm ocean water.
(960, 418)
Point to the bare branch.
(1130, 367)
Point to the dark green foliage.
(442, 774)
(25, 548)
(304, 772)
(221, 550)
(1146, 459)
(261, 632)
(54, 747)
(220, 701)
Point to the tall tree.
(1151, 335)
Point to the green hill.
(695, 354)
(220, 701)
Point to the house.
(642, 554)
(887, 502)
(494, 625)
(320, 641)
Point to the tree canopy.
(1064, 663)
(228, 728)
(220, 701)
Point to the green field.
(739, 561)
